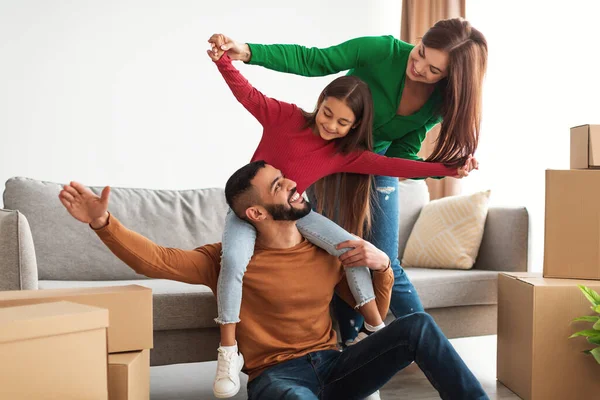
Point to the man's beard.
(280, 212)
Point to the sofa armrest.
(18, 267)
(505, 242)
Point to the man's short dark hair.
(239, 192)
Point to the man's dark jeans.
(365, 367)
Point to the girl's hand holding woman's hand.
(469, 166)
(214, 57)
(235, 50)
(215, 53)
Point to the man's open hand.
(84, 205)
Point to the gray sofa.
(42, 247)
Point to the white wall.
(122, 93)
(543, 78)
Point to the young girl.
(306, 147)
(414, 88)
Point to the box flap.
(558, 282)
(124, 358)
(594, 146)
(579, 147)
(522, 276)
(49, 319)
(518, 275)
(40, 294)
(536, 279)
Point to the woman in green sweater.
(414, 88)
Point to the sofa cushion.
(67, 249)
(439, 288)
(448, 232)
(176, 305)
(413, 195)
(179, 305)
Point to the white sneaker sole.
(226, 395)
(374, 396)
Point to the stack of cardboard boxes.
(87, 343)
(536, 358)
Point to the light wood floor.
(194, 381)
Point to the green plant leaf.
(596, 353)
(590, 294)
(597, 326)
(586, 333)
(596, 309)
(587, 318)
(594, 340)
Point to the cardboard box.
(572, 228)
(129, 376)
(585, 146)
(536, 358)
(130, 310)
(53, 351)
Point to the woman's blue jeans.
(384, 235)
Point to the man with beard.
(286, 330)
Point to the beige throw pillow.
(448, 233)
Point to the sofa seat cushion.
(176, 305)
(183, 306)
(439, 288)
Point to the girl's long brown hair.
(346, 197)
(461, 89)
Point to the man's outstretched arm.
(199, 266)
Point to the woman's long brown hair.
(346, 197)
(461, 89)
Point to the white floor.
(186, 382)
(194, 381)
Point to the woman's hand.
(469, 166)
(235, 50)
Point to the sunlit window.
(543, 77)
